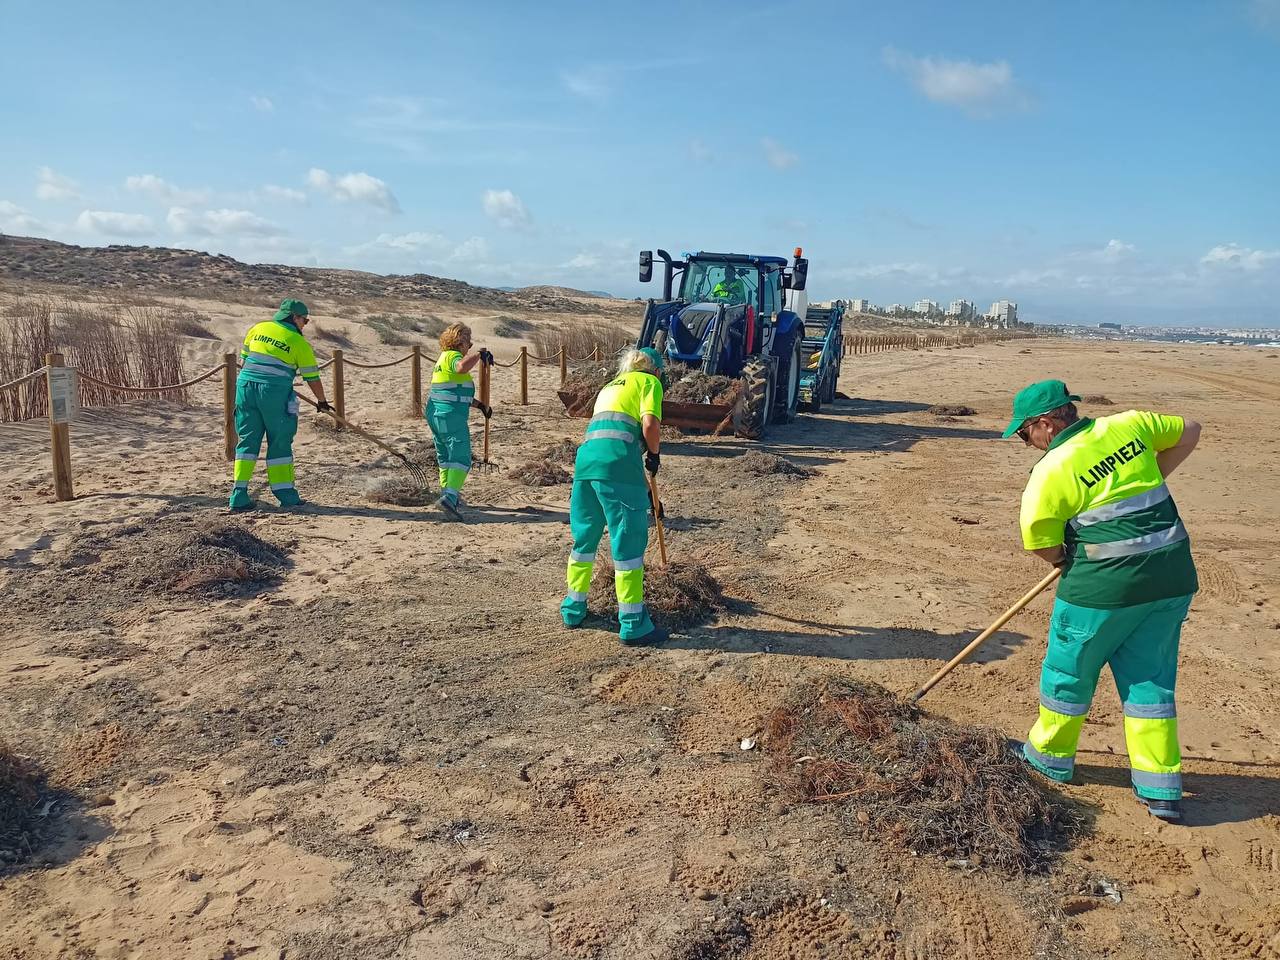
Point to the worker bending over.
(609, 490)
(274, 352)
(1097, 505)
(452, 396)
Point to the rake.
(416, 470)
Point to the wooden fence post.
(415, 366)
(59, 439)
(339, 387)
(564, 365)
(229, 406)
(524, 376)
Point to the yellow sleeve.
(1044, 515)
(650, 396)
(306, 360)
(1158, 430)
(244, 350)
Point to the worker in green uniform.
(609, 490)
(1098, 506)
(731, 289)
(452, 396)
(274, 352)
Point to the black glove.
(659, 510)
(652, 461)
(486, 357)
(487, 411)
(324, 406)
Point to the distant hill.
(186, 272)
(550, 291)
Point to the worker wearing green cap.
(609, 490)
(1097, 505)
(274, 352)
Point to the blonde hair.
(454, 335)
(633, 360)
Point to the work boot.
(1168, 810)
(288, 497)
(449, 507)
(654, 638)
(240, 500)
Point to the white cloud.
(220, 223)
(152, 186)
(262, 104)
(412, 242)
(590, 83)
(355, 188)
(976, 87)
(1235, 257)
(114, 224)
(583, 261)
(287, 194)
(54, 186)
(471, 249)
(778, 156)
(13, 219)
(506, 209)
(1116, 250)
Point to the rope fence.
(59, 417)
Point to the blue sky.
(1092, 161)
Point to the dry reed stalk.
(580, 339)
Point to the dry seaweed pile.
(686, 384)
(951, 410)
(583, 383)
(21, 784)
(399, 490)
(1098, 400)
(757, 463)
(920, 783)
(677, 595)
(549, 467)
(173, 555)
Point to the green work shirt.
(1099, 494)
(613, 447)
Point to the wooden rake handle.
(484, 398)
(657, 520)
(359, 431)
(981, 638)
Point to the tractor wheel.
(751, 414)
(789, 370)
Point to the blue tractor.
(736, 315)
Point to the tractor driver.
(731, 289)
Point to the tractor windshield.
(710, 281)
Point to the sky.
(1092, 161)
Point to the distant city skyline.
(1091, 161)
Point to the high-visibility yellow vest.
(447, 384)
(275, 350)
(613, 447)
(1099, 493)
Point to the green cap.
(653, 355)
(1036, 399)
(289, 309)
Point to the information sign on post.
(64, 395)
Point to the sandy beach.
(395, 750)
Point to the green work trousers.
(624, 509)
(452, 435)
(1141, 645)
(265, 408)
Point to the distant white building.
(1004, 313)
(927, 307)
(860, 306)
(896, 309)
(961, 310)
